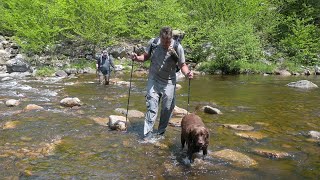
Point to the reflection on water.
(64, 143)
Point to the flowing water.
(66, 143)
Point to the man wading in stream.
(162, 79)
(103, 67)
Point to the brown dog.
(194, 134)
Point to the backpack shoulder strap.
(175, 45)
(154, 44)
(156, 40)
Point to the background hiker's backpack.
(105, 64)
(155, 43)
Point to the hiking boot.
(160, 136)
(148, 136)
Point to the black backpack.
(155, 42)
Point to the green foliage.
(96, 21)
(237, 29)
(83, 63)
(145, 18)
(256, 67)
(234, 44)
(302, 44)
(291, 66)
(45, 71)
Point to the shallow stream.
(65, 143)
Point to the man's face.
(165, 42)
(105, 53)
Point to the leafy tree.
(145, 18)
(96, 21)
(31, 22)
(233, 45)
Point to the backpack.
(155, 43)
(105, 65)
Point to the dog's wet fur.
(194, 134)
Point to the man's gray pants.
(155, 92)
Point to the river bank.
(77, 58)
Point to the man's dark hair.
(166, 32)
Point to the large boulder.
(304, 84)
(61, 73)
(18, 64)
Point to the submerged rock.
(271, 153)
(242, 127)
(237, 158)
(31, 107)
(36, 151)
(101, 121)
(131, 113)
(251, 135)
(10, 125)
(175, 122)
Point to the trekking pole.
(129, 92)
(188, 96)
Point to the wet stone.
(117, 123)
(175, 122)
(304, 84)
(101, 121)
(10, 125)
(179, 112)
(314, 134)
(241, 127)
(251, 135)
(211, 110)
(70, 102)
(131, 113)
(12, 102)
(178, 86)
(236, 158)
(271, 153)
(31, 107)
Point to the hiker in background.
(103, 67)
(162, 79)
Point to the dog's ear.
(191, 135)
(207, 135)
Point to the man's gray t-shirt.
(163, 63)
